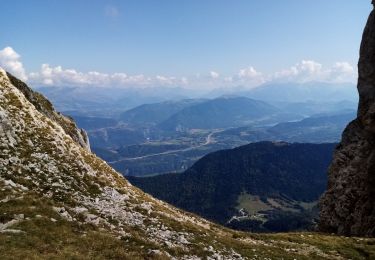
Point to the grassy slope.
(70, 240)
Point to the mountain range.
(326, 128)
(112, 102)
(295, 92)
(155, 113)
(219, 113)
(109, 101)
(176, 153)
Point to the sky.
(194, 43)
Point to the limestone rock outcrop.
(45, 107)
(348, 206)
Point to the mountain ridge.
(271, 171)
(218, 113)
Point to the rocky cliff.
(348, 206)
(45, 107)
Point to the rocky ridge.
(57, 200)
(45, 107)
(348, 206)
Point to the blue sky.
(182, 39)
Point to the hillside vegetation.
(259, 187)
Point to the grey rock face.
(366, 80)
(348, 206)
(44, 106)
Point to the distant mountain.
(110, 102)
(293, 92)
(157, 112)
(219, 113)
(310, 108)
(318, 129)
(302, 92)
(252, 187)
(323, 128)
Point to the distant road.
(209, 140)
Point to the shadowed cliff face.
(348, 206)
(366, 80)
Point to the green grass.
(251, 204)
(46, 239)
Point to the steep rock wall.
(348, 206)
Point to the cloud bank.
(58, 76)
(308, 70)
(11, 62)
(304, 71)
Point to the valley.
(162, 144)
(157, 147)
(140, 145)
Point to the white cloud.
(58, 76)
(249, 73)
(308, 70)
(10, 61)
(343, 72)
(163, 80)
(214, 75)
(304, 71)
(248, 77)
